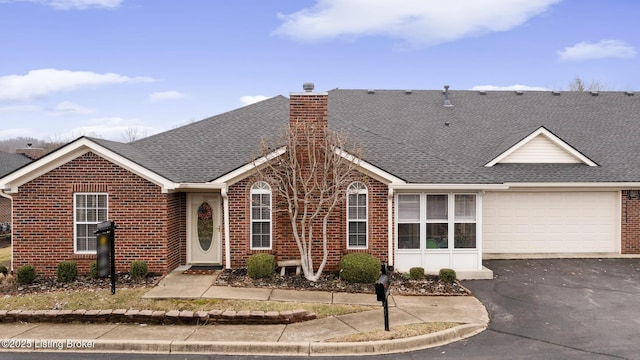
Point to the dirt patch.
(400, 285)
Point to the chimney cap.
(308, 86)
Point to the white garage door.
(549, 222)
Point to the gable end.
(541, 147)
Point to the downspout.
(7, 196)
(390, 228)
(227, 231)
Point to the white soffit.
(541, 146)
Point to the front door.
(204, 246)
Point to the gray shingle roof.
(10, 162)
(407, 135)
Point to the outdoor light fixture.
(633, 194)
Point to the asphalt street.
(539, 309)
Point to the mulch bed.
(50, 284)
(431, 285)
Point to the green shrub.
(261, 265)
(67, 271)
(359, 268)
(138, 269)
(3, 270)
(93, 270)
(447, 275)
(25, 274)
(416, 273)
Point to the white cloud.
(418, 22)
(248, 100)
(600, 50)
(111, 128)
(509, 88)
(75, 4)
(69, 108)
(18, 109)
(165, 95)
(47, 81)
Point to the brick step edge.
(213, 317)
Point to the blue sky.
(102, 67)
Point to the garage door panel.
(527, 222)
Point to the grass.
(396, 332)
(132, 299)
(5, 255)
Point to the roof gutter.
(448, 186)
(582, 185)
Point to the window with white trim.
(436, 221)
(260, 215)
(89, 210)
(408, 221)
(357, 216)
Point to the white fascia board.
(416, 187)
(74, 150)
(578, 185)
(247, 169)
(549, 135)
(371, 170)
(200, 186)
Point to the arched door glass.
(205, 226)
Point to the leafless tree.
(310, 175)
(579, 85)
(132, 134)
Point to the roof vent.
(556, 93)
(594, 93)
(629, 93)
(408, 92)
(482, 92)
(519, 92)
(371, 91)
(447, 102)
(308, 87)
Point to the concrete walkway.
(304, 338)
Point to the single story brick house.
(447, 178)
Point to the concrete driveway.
(556, 309)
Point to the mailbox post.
(382, 294)
(106, 251)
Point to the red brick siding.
(5, 210)
(177, 230)
(43, 217)
(630, 224)
(283, 243)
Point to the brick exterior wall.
(150, 224)
(5, 210)
(283, 243)
(630, 226)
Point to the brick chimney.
(309, 111)
(31, 152)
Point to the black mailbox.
(106, 251)
(382, 288)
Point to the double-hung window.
(90, 209)
(260, 215)
(357, 215)
(408, 221)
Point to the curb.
(281, 349)
(213, 317)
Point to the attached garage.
(550, 222)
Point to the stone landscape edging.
(184, 317)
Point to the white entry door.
(204, 238)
